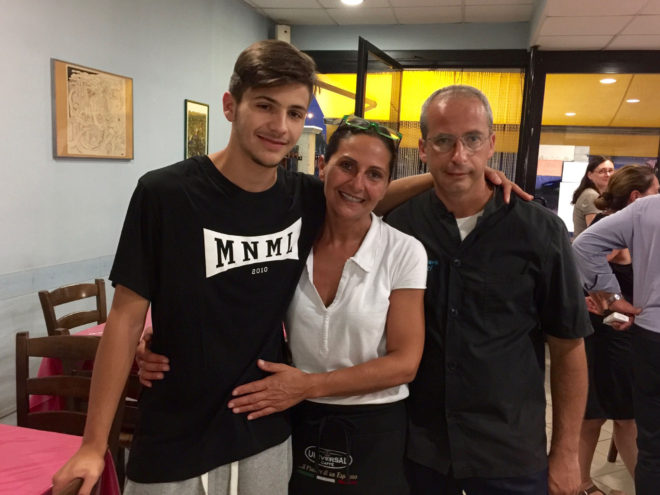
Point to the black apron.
(349, 449)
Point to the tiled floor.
(606, 475)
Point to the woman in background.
(592, 185)
(609, 351)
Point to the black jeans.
(646, 398)
(427, 481)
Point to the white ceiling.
(562, 24)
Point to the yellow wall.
(504, 90)
(606, 144)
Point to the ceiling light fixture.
(632, 100)
(570, 114)
(607, 80)
(351, 2)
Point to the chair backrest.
(70, 293)
(72, 385)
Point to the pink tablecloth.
(29, 458)
(50, 367)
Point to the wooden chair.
(70, 293)
(72, 385)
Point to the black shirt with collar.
(477, 405)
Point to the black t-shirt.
(219, 266)
(477, 404)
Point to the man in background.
(636, 227)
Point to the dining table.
(29, 458)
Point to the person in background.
(355, 328)
(501, 278)
(636, 227)
(592, 185)
(609, 351)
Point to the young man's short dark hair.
(271, 63)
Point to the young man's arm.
(568, 385)
(112, 364)
(401, 190)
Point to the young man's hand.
(86, 464)
(152, 366)
(498, 178)
(563, 474)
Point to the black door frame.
(365, 48)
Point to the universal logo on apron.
(329, 459)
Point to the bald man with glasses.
(501, 280)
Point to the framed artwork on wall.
(92, 113)
(196, 134)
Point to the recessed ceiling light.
(632, 100)
(570, 114)
(607, 80)
(351, 2)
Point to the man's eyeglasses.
(364, 124)
(444, 143)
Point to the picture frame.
(196, 134)
(92, 113)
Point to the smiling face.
(267, 122)
(355, 177)
(459, 170)
(601, 175)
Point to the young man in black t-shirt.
(216, 245)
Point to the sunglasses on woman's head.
(364, 124)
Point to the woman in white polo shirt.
(356, 331)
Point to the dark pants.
(646, 397)
(427, 481)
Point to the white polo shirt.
(351, 330)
